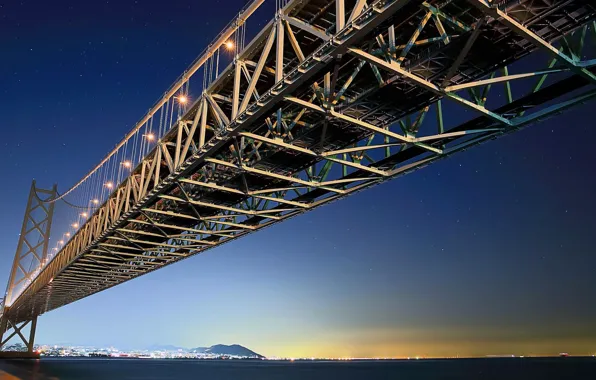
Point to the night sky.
(488, 252)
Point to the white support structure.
(30, 256)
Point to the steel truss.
(30, 256)
(329, 99)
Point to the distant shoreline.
(317, 359)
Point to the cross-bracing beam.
(30, 256)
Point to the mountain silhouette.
(223, 349)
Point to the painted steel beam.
(493, 11)
(414, 79)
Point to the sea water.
(162, 369)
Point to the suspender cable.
(246, 12)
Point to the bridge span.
(329, 98)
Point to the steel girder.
(16, 329)
(30, 256)
(324, 102)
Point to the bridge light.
(109, 185)
(182, 99)
(84, 214)
(150, 136)
(127, 164)
(67, 234)
(75, 225)
(61, 242)
(229, 44)
(95, 201)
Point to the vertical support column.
(440, 124)
(236, 92)
(279, 67)
(340, 15)
(203, 125)
(3, 326)
(279, 51)
(30, 256)
(32, 334)
(16, 260)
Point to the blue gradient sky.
(488, 252)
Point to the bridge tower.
(30, 256)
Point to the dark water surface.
(464, 369)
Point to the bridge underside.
(331, 98)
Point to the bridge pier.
(30, 257)
(6, 325)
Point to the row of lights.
(182, 99)
(110, 185)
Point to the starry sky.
(488, 252)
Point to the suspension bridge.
(329, 98)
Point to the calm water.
(115, 369)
